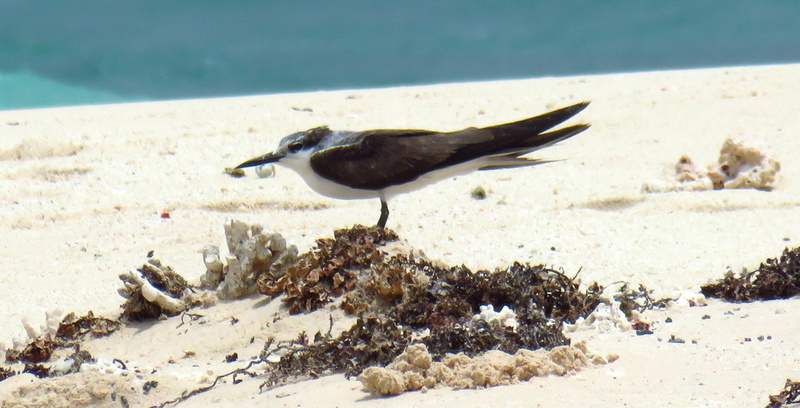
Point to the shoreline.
(211, 99)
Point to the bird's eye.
(295, 147)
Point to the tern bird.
(384, 163)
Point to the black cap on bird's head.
(291, 144)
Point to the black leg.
(384, 214)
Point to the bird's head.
(294, 144)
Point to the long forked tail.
(536, 125)
(526, 136)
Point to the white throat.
(300, 162)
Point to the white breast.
(300, 163)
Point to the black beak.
(267, 158)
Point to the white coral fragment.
(253, 251)
(688, 299)
(214, 267)
(744, 167)
(738, 166)
(48, 329)
(152, 290)
(607, 317)
(169, 304)
(504, 318)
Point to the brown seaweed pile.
(542, 299)
(789, 396)
(369, 342)
(401, 299)
(74, 328)
(329, 270)
(776, 278)
(69, 333)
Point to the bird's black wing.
(521, 137)
(377, 159)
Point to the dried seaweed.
(789, 395)
(329, 270)
(370, 341)
(33, 362)
(776, 278)
(401, 297)
(638, 300)
(149, 386)
(70, 331)
(39, 370)
(473, 340)
(6, 372)
(38, 350)
(188, 394)
(384, 284)
(541, 297)
(73, 328)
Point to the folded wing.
(378, 159)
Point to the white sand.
(83, 190)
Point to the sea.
(82, 52)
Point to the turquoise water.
(21, 90)
(86, 52)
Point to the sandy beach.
(87, 192)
